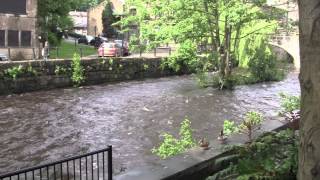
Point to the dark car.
(83, 40)
(124, 47)
(3, 57)
(97, 41)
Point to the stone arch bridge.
(289, 43)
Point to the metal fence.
(92, 166)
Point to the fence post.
(9, 54)
(81, 54)
(110, 163)
(155, 52)
(34, 53)
(169, 51)
(140, 50)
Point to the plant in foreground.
(172, 146)
(250, 123)
(271, 156)
(289, 103)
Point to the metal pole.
(9, 54)
(34, 53)
(81, 52)
(110, 163)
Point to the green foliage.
(289, 103)
(108, 20)
(189, 23)
(14, 72)
(262, 63)
(172, 146)
(145, 67)
(53, 19)
(77, 70)
(185, 56)
(271, 156)
(19, 71)
(229, 127)
(60, 70)
(251, 123)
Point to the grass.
(67, 49)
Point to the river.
(44, 126)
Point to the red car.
(109, 49)
(124, 45)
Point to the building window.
(26, 38)
(13, 7)
(13, 38)
(2, 38)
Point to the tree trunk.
(309, 148)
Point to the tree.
(53, 18)
(309, 150)
(222, 25)
(108, 19)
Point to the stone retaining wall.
(41, 75)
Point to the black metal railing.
(92, 166)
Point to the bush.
(77, 70)
(19, 71)
(249, 124)
(289, 103)
(271, 156)
(185, 56)
(262, 64)
(172, 146)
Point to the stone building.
(18, 32)
(95, 26)
(80, 21)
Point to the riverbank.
(243, 76)
(26, 76)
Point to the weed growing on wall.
(172, 146)
(77, 70)
(60, 70)
(14, 72)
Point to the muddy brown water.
(41, 127)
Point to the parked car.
(3, 57)
(83, 40)
(97, 41)
(109, 49)
(124, 46)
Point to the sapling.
(252, 122)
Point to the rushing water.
(39, 127)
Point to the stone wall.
(56, 74)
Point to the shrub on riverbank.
(240, 76)
(77, 70)
(271, 156)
